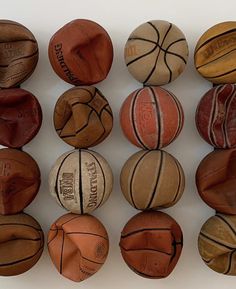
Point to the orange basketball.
(151, 117)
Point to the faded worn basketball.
(81, 181)
(151, 117)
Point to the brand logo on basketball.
(131, 51)
(60, 58)
(146, 114)
(67, 187)
(9, 51)
(92, 173)
(216, 47)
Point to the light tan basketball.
(156, 52)
(152, 180)
(217, 243)
(81, 181)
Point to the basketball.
(152, 180)
(18, 53)
(81, 181)
(215, 53)
(151, 244)
(156, 52)
(215, 116)
(81, 52)
(83, 117)
(216, 243)
(78, 246)
(21, 244)
(151, 117)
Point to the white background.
(119, 18)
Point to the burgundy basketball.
(216, 116)
(151, 117)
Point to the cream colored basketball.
(81, 181)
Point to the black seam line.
(85, 272)
(170, 71)
(80, 129)
(80, 184)
(180, 113)
(215, 241)
(214, 37)
(157, 180)
(19, 239)
(159, 120)
(158, 54)
(230, 262)
(100, 263)
(85, 233)
(227, 106)
(18, 40)
(223, 74)
(56, 183)
(22, 260)
(173, 53)
(141, 56)
(179, 180)
(143, 230)
(226, 222)
(197, 67)
(145, 249)
(133, 118)
(19, 58)
(143, 39)
(54, 237)
(103, 175)
(143, 274)
(17, 224)
(131, 180)
(215, 93)
(27, 75)
(109, 112)
(62, 247)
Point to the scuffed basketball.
(81, 181)
(83, 117)
(151, 117)
(151, 244)
(152, 180)
(78, 246)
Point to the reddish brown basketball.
(78, 246)
(83, 117)
(151, 117)
(18, 53)
(151, 243)
(21, 244)
(216, 180)
(19, 180)
(216, 116)
(20, 117)
(81, 52)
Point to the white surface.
(119, 18)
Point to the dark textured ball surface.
(83, 117)
(216, 180)
(151, 244)
(21, 244)
(20, 117)
(19, 180)
(18, 53)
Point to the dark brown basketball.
(19, 180)
(18, 53)
(21, 244)
(20, 117)
(78, 246)
(151, 243)
(83, 117)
